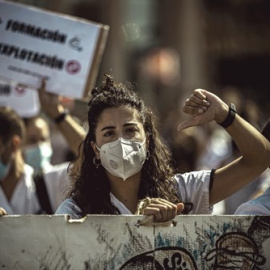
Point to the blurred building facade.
(168, 48)
(171, 47)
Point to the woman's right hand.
(163, 210)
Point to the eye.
(131, 130)
(109, 133)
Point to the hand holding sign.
(50, 103)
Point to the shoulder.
(69, 207)
(58, 168)
(57, 173)
(250, 208)
(258, 206)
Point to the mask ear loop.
(147, 155)
(96, 160)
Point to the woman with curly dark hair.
(124, 160)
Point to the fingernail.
(200, 110)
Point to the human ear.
(94, 147)
(16, 143)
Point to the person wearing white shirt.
(124, 161)
(19, 192)
(257, 206)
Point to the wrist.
(53, 111)
(61, 117)
(228, 120)
(222, 113)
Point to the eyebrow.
(109, 127)
(125, 125)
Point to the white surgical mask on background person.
(39, 155)
(123, 158)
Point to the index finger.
(199, 93)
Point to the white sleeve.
(194, 188)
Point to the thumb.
(186, 124)
(180, 207)
(2, 211)
(42, 85)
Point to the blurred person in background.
(217, 142)
(38, 148)
(186, 147)
(28, 190)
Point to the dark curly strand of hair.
(91, 186)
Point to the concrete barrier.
(123, 242)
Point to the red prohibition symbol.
(20, 89)
(73, 67)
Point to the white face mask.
(38, 156)
(123, 158)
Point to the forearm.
(205, 107)
(72, 131)
(254, 147)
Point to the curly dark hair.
(91, 189)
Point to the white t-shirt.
(193, 187)
(24, 198)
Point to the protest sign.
(121, 242)
(36, 44)
(23, 100)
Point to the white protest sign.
(36, 44)
(121, 243)
(23, 100)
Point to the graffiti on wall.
(111, 242)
